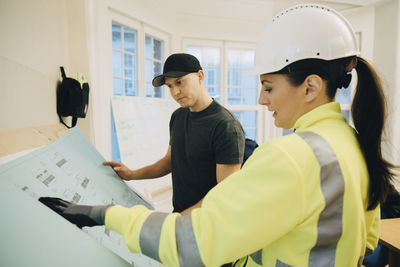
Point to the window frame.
(142, 29)
(262, 123)
(101, 60)
(153, 60)
(161, 35)
(123, 52)
(261, 126)
(208, 43)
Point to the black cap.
(177, 65)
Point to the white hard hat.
(301, 32)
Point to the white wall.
(37, 37)
(78, 55)
(363, 21)
(387, 60)
(223, 20)
(32, 47)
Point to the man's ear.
(313, 87)
(201, 75)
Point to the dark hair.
(368, 111)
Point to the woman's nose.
(262, 99)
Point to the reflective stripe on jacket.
(300, 200)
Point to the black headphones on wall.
(72, 99)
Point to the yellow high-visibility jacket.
(300, 200)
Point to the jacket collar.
(331, 110)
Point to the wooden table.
(390, 238)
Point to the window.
(124, 60)
(134, 70)
(242, 90)
(210, 59)
(248, 119)
(343, 96)
(154, 55)
(225, 67)
(287, 131)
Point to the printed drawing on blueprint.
(71, 169)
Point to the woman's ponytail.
(369, 112)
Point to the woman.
(306, 199)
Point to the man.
(206, 140)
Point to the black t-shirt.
(199, 141)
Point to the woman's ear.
(313, 87)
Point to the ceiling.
(339, 5)
(252, 11)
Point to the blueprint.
(71, 169)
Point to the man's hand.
(120, 168)
(81, 215)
